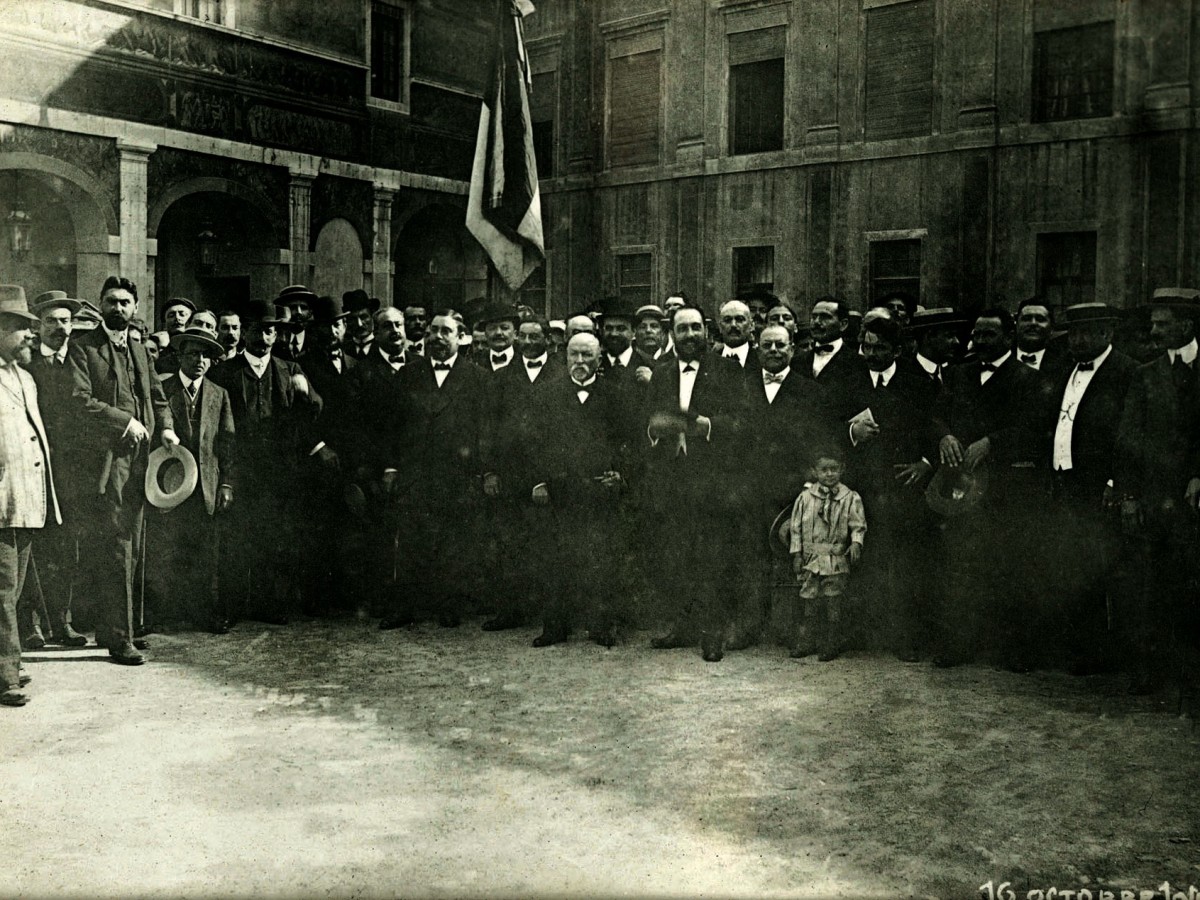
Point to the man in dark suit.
(1034, 349)
(1082, 424)
(1158, 484)
(274, 409)
(696, 484)
(937, 335)
(517, 430)
(995, 560)
(185, 542)
(123, 411)
(293, 341)
(437, 465)
(736, 324)
(833, 360)
(888, 464)
(620, 356)
(650, 332)
(499, 323)
(360, 329)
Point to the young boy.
(827, 528)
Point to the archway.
(337, 259)
(216, 249)
(438, 262)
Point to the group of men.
(624, 466)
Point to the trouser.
(437, 552)
(183, 544)
(889, 587)
(521, 532)
(109, 557)
(587, 587)
(14, 560)
(56, 549)
(701, 564)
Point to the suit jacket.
(340, 392)
(517, 422)
(784, 434)
(1056, 363)
(20, 483)
(903, 410)
(292, 431)
(753, 367)
(838, 372)
(97, 441)
(383, 412)
(214, 444)
(1004, 410)
(55, 386)
(1158, 436)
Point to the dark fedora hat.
(496, 312)
(295, 293)
(12, 302)
(49, 300)
(617, 308)
(936, 318)
(327, 310)
(1083, 313)
(955, 490)
(357, 299)
(196, 335)
(265, 313)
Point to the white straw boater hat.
(168, 492)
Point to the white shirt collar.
(836, 344)
(507, 354)
(1001, 361)
(188, 383)
(1187, 352)
(927, 364)
(448, 361)
(588, 383)
(119, 338)
(886, 375)
(742, 353)
(1099, 360)
(543, 359)
(683, 364)
(623, 359)
(257, 363)
(58, 354)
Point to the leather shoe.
(712, 646)
(672, 640)
(605, 636)
(35, 641)
(218, 626)
(69, 637)
(389, 623)
(124, 654)
(140, 644)
(549, 637)
(23, 679)
(502, 622)
(13, 698)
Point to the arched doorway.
(217, 250)
(438, 262)
(337, 259)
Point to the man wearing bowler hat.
(360, 329)
(27, 497)
(1158, 485)
(123, 411)
(499, 324)
(176, 316)
(298, 300)
(184, 541)
(274, 411)
(56, 547)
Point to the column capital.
(127, 147)
(305, 170)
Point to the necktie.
(823, 349)
(1028, 358)
(120, 348)
(294, 344)
(533, 364)
(441, 367)
(773, 378)
(879, 385)
(1086, 366)
(335, 355)
(826, 495)
(191, 393)
(499, 359)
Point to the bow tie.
(731, 354)
(987, 367)
(773, 378)
(1028, 358)
(499, 358)
(335, 355)
(1179, 361)
(441, 367)
(533, 363)
(690, 367)
(823, 349)
(396, 358)
(1088, 366)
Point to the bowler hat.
(955, 490)
(49, 300)
(357, 299)
(935, 318)
(1083, 313)
(196, 335)
(617, 308)
(327, 310)
(295, 293)
(168, 492)
(12, 302)
(265, 313)
(179, 301)
(496, 312)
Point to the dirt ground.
(330, 759)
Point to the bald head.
(580, 324)
(735, 323)
(775, 348)
(583, 356)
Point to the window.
(899, 90)
(753, 269)
(635, 275)
(533, 291)
(756, 84)
(1066, 268)
(1073, 73)
(895, 268)
(542, 105)
(389, 51)
(634, 108)
(217, 12)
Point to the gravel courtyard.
(330, 759)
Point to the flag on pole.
(504, 209)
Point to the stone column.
(299, 234)
(381, 249)
(134, 162)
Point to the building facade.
(221, 149)
(958, 150)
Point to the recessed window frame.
(736, 250)
(625, 252)
(1038, 99)
(210, 12)
(888, 284)
(404, 8)
(632, 37)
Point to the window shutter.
(542, 96)
(634, 114)
(899, 70)
(757, 45)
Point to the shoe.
(139, 644)
(144, 629)
(390, 623)
(23, 679)
(449, 620)
(802, 650)
(218, 626)
(712, 646)
(742, 639)
(830, 653)
(69, 637)
(673, 640)
(35, 641)
(550, 636)
(605, 636)
(502, 622)
(124, 654)
(13, 698)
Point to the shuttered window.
(542, 107)
(1073, 73)
(635, 272)
(634, 109)
(753, 269)
(899, 90)
(895, 268)
(1066, 268)
(388, 65)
